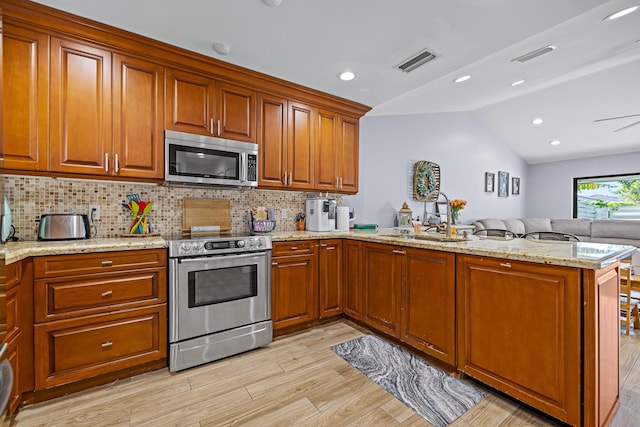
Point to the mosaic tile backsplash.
(30, 197)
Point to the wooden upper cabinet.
(190, 102)
(326, 151)
(199, 104)
(25, 71)
(348, 154)
(138, 127)
(272, 140)
(300, 146)
(80, 109)
(235, 112)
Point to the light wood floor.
(297, 380)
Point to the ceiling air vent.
(416, 61)
(529, 56)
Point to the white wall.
(458, 142)
(551, 191)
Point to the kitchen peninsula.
(490, 309)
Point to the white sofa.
(621, 232)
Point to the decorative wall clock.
(426, 179)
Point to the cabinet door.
(428, 295)
(294, 290)
(330, 267)
(300, 149)
(235, 112)
(348, 154)
(190, 102)
(138, 127)
(352, 278)
(519, 331)
(25, 73)
(382, 266)
(272, 140)
(326, 151)
(80, 109)
(14, 349)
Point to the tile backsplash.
(30, 197)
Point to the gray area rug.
(437, 396)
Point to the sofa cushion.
(491, 223)
(612, 229)
(536, 224)
(515, 225)
(579, 226)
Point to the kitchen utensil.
(146, 209)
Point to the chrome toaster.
(64, 227)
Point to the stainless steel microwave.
(207, 160)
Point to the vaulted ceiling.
(586, 90)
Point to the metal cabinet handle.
(106, 294)
(106, 162)
(212, 128)
(505, 264)
(107, 263)
(290, 179)
(285, 178)
(341, 183)
(337, 182)
(107, 344)
(324, 245)
(218, 127)
(274, 263)
(116, 165)
(399, 252)
(294, 248)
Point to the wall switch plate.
(94, 212)
(284, 213)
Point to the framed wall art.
(489, 179)
(426, 180)
(503, 184)
(515, 186)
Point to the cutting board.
(205, 212)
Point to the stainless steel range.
(219, 298)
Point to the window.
(607, 197)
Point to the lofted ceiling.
(593, 74)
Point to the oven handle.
(232, 256)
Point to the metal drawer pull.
(396, 251)
(107, 263)
(274, 263)
(107, 344)
(107, 294)
(294, 248)
(505, 264)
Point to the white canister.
(342, 221)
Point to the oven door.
(213, 294)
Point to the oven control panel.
(221, 245)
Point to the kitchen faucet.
(449, 213)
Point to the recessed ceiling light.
(519, 82)
(346, 76)
(555, 142)
(221, 48)
(537, 121)
(621, 13)
(462, 79)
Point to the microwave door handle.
(243, 169)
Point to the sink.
(437, 238)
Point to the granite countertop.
(582, 255)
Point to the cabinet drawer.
(82, 348)
(64, 297)
(294, 248)
(104, 262)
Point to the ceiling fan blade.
(616, 118)
(628, 126)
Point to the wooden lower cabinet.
(294, 283)
(74, 349)
(519, 331)
(428, 303)
(382, 265)
(330, 277)
(98, 314)
(352, 278)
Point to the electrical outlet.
(284, 213)
(94, 212)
